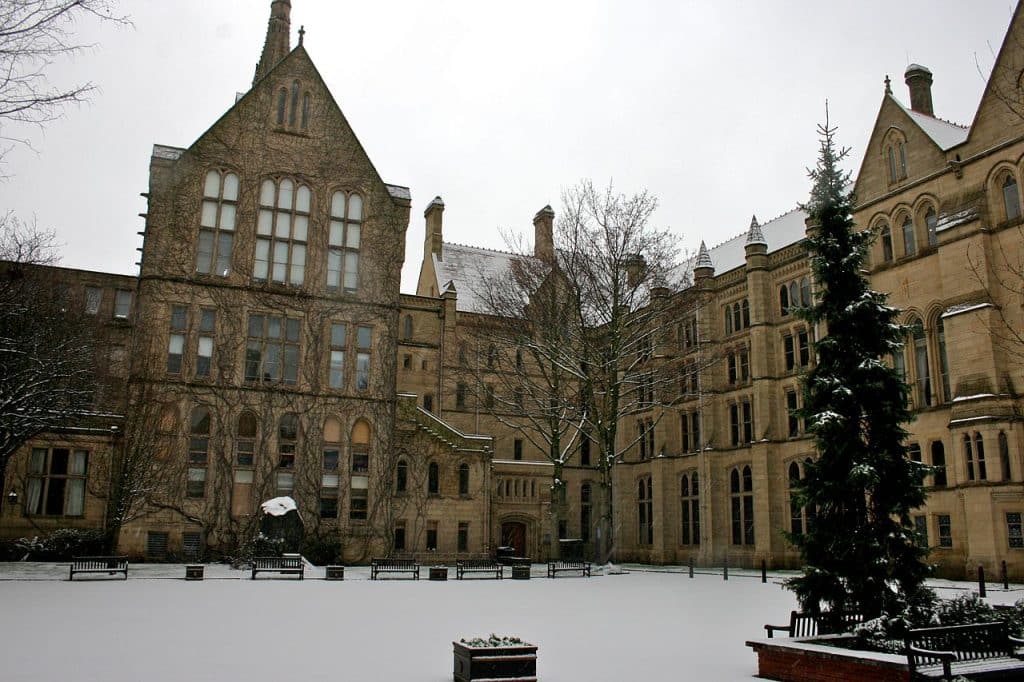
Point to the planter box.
(194, 572)
(521, 572)
(512, 663)
(810, 660)
(438, 573)
(335, 573)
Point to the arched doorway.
(513, 534)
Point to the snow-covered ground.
(646, 625)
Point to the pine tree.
(860, 551)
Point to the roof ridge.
(762, 225)
(484, 248)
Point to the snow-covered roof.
(944, 133)
(399, 192)
(787, 229)
(162, 151)
(470, 268)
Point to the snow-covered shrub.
(494, 641)
(263, 545)
(62, 544)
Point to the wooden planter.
(521, 572)
(516, 663)
(438, 573)
(194, 572)
(335, 573)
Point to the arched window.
(434, 479)
(909, 244)
(344, 242)
(294, 110)
(198, 452)
(922, 374)
(1011, 198)
(330, 480)
(742, 499)
(745, 306)
(939, 464)
(585, 511)
(893, 176)
(979, 454)
(903, 159)
(281, 232)
(690, 509)
(931, 221)
(463, 479)
(359, 504)
(805, 292)
(940, 337)
(282, 102)
(305, 111)
(645, 510)
(245, 443)
(796, 512)
(402, 477)
(794, 294)
(969, 456)
(199, 442)
(407, 328)
(728, 320)
(886, 236)
(1004, 456)
(287, 438)
(217, 223)
(737, 318)
(784, 299)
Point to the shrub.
(62, 544)
(322, 550)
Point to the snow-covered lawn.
(646, 626)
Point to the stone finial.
(278, 42)
(704, 258)
(302, 33)
(888, 85)
(755, 235)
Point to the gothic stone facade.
(267, 351)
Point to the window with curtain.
(56, 482)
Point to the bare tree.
(33, 33)
(47, 358)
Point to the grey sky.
(711, 104)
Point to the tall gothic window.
(281, 232)
(909, 243)
(922, 374)
(217, 223)
(741, 488)
(1004, 456)
(343, 242)
(645, 510)
(585, 512)
(1011, 198)
(689, 490)
(940, 337)
(931, 221)
(939, 464)
(359, 490)
(886, 236)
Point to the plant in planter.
(495, 658)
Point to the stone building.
(265, 349)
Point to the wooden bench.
(982, 649)
(287, 564)
(556, 567)
(378, 566)
(99, 564)
(463, 566)
(810, 625)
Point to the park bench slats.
(285, 565)
(943, 652)
(463, 566)
(556, 567)
(378, 566)
(810, 625)
(98, 564)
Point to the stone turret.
(278, 43)
(704, 268)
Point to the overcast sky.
(709, 104)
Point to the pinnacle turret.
(755, 235)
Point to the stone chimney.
(919, 80)
(432, 241)
(278, 43)
(543, 234)
(635, 266)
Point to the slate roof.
(787, 229)
(470, 267)
(944, 133)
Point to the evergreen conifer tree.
(860, 550)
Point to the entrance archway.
(513, 534)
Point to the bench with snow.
(556, 567)
(111, 565)
(463, 566)
(378, 566)
(973, 651)
(289, 564)
(811, 625)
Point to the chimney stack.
(919, 80)
(543, 234)
(433, 239)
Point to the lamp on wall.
(12, 497)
